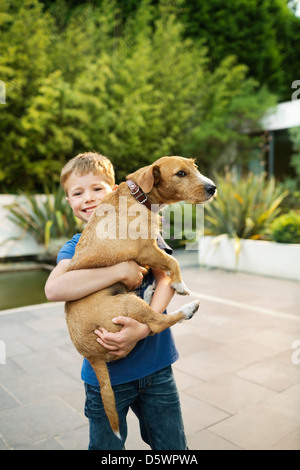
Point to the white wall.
(25, 246)
(280, 260)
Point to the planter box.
(280, 260)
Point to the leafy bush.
(133, 95)
(47, 217)
(286, 229)
(244, 207)
(292, 201)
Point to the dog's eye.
(181, 174)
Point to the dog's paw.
(180, 288)
(190, 309)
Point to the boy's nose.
(89, 196)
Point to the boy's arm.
(163, 293)
(133, 331)
(64, 285)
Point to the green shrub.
(244, 207)
(47, 217)
(286, 229)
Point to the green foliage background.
(136, 80)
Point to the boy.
(143, 380)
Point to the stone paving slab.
(239, 386)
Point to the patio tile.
(6, 400)
(290, 441)
(207, 365)
(198, 415)
(247, 350)
(238, 385)
(206, 440)
(75, 439)
(45, 359)
(277, 372)
(191, 343)
(287, 403)
(184, 379)
(256, 428)
(230, 393)
(29, 424)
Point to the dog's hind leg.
(107, 393)
(158, 322)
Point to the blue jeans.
(155, 401)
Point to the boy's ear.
(146, 177)
(68, 200)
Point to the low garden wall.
(280, 260)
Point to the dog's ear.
(146, 177)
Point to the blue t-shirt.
(148, 356)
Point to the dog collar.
(139, 195)
(136, 191)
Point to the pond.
(21, 288)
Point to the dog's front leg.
(157, 258)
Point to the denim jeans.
(155, 401)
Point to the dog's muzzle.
(210, 190)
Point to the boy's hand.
(122, 342)
(132, 274)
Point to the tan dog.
(110, 237)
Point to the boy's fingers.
(108, 346)
(105, 338)
(100, 332)
(120, 320)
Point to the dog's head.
(174, 179)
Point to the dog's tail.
(107, 394)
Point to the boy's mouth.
(89, 210)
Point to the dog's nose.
(210, 189)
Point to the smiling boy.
(143, 380)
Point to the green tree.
(133, 92)
(262, 34)
(23, 64)
(45, 118)
(158, 97)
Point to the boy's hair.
(88, 162)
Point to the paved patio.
(238, 375)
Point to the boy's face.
(85, 192)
